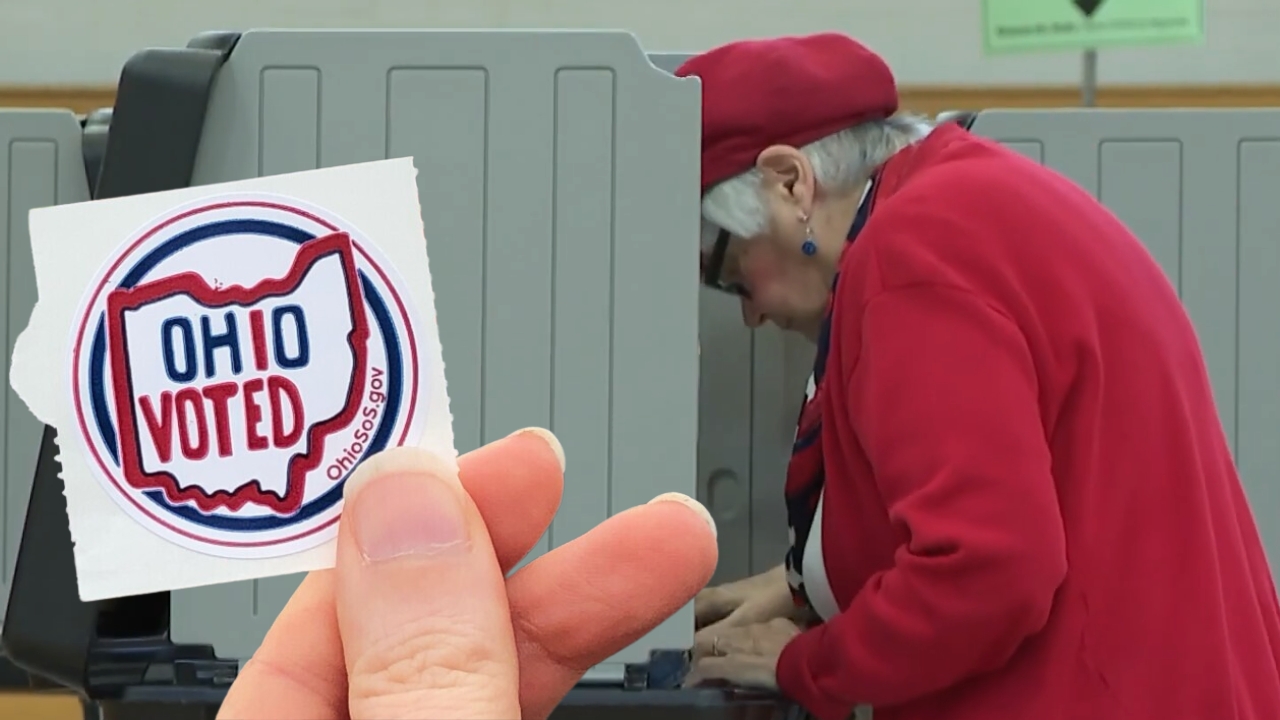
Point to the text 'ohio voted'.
(235, 364)
(203, 392)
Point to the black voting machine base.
(117, 654)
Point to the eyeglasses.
(713, 265)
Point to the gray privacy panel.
(781, 365)
(40, 165)
(558, 178)
(752, 385)
(726, 351)
(1199, 188)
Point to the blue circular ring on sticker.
(233, 362)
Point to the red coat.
(1031, 510)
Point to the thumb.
(421, 599)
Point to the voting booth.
(558, 178)
(559, 197)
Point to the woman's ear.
(787, 175)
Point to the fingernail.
(549, 439)
(690, 503)
(404, 513)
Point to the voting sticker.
(234, 353)
(233, 364)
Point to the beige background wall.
(921, 98)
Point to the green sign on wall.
(1011, 26)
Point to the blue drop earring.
(808, 247)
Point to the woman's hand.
(745, 655)
(756, 599)
(417, 621)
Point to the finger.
(711, 605)
(784, 624)
(750, 671)
(722, 638)
(516, 484)
(421, 599)
(703, 639)
(298, 670)
(758, 610)
(592, 597)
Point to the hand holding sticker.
(416, 620)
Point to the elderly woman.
(1011, 495)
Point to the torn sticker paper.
(217, 360)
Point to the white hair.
(840, 161)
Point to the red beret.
(784, 91)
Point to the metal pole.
(1089, 79)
